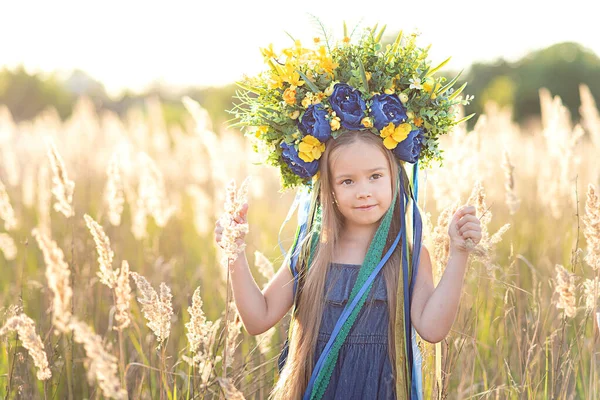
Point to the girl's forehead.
(357, 157)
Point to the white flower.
(415, 83)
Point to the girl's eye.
(376, 176)
(346, 181)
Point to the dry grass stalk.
(592, 228)
(8, 247)
(589, 114)
(44, 199)
(198, 328)
(591, 293)
(265, 267)
(114, 196)
(7, 214)
(101, 366)
(484, 251)
(440, 241)
(229, 390)
(25, 328)
(512, 201)
(105, 254)
(233, 332)
(58, 275)
(122, 297)
(565, 288)
(62, 186)
(157, 310)
(152, 194)
(233, 232)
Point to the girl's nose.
(363, 194)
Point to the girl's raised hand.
(240, 218)
(464, 225)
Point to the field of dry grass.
(112, 285)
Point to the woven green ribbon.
(371, 260)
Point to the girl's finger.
(475, 235)
(467, 218)
(468, 226)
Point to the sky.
(131, 44)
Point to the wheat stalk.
(7, 214)
(25, 328)
(7, 246)
(62, 186)
(101, 365)
(565, 288)
(105, 254)
(157, 309)
(58, 275)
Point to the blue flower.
(410, 148)
(387, 108)
(314, 122)
(348, 105)
(297, 165)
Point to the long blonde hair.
(304, 326)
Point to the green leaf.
(434, 70)
(468, 117)
(249, 88)
(457, 92)
(363, 76)
(378, 38)
(345, 30)
(449, 84)
(308, 82)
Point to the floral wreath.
(306, 96)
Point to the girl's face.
(362, 183)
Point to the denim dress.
(363, 369)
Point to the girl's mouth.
(365, 208)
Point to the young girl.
(342, 122)
(358, 184)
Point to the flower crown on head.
(307, 95)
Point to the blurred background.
(121, 52)
(133, 95)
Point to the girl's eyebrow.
(368, 171)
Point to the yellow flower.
(268, 52)
(394, 135)
(307, 101)
(410, 115)
(418, 121)
(346, 40)
(260, 130)
(367, 123)
(317, 40)
(389, 91)
(289, 96)
(310, 148)
(431, 86)
(329, 90)
(403, 98)
(368, 75)
(295, 114)
(335, 123)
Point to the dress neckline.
(346, 264)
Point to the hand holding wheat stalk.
(229, 233)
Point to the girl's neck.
(354, 243)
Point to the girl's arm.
(433, 310)
(259, 310)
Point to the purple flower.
(387, 108)
(296, 164)
(348, 105)
(314, 122)
(410, 148)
